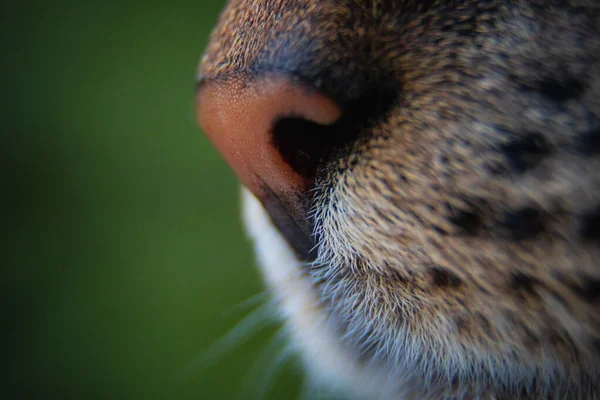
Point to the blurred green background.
(124, 252)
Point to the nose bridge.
(256, 36)
(312, 40)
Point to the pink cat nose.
(239, 116)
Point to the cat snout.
(272, 131)
(248, 120)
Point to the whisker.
(244, 305)
(260, 380)
(239, 334)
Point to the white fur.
(327, 363)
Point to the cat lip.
(292, 224)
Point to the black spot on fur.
(522, 224)
(439, 230)
(384, 216)
(588, 290)
(531, 340)
(556, 339)
(395, 276)
(591, 226)
(484, 325)
(523, 283)
(561, 90)
(589, 142)
(526, 152)
(596, 344)
(468, 222)
(443, 278)
(497, 169)
(462, 325)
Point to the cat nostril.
(245, 119)
(303, 144)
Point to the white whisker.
(258, 298)
(239, 334)
(260, 380)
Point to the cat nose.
(241, 116)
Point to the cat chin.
(327, 363)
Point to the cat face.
(423, 187)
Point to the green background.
(124, 254)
